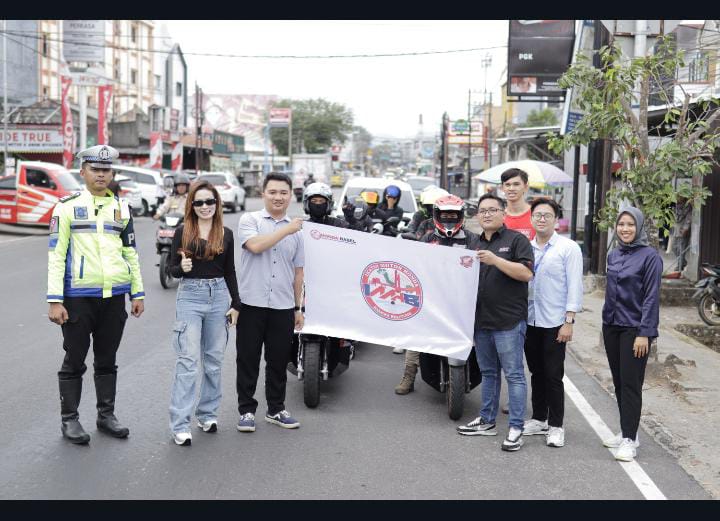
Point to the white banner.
(389, 291)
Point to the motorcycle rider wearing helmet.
(356, 215)
(310, 180)
(390, 205)
(318, 204)
(176, 202)
(422, 222)
(371, 198)
(448, 218)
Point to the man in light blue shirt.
(554, 296)
(270, 281)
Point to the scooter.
(709, 293)
(317, 358)
(163, 243)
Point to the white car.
(227, 184)
(150, 183)
(130, 191)
(356, 185)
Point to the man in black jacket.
(390, 205)
(318, 204)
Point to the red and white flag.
(104, 94)
(155, 150)
(67, 123)
(177, 157)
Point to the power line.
(270, 56)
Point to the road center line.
(633, 469)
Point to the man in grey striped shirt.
(270, 281)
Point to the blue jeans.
(200, 332)
(495, 349)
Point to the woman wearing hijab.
(630, 321)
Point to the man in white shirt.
(554, 296)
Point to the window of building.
(116, 69)
(178, 89)
(698, 67)
(117, 30)
(45, 92)
(158, 82)
(149, 79)
(45, 47)
(133, 76)
(133, 34)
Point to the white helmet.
(320, 189)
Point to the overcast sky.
(386, 94)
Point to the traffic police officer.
(92, 264)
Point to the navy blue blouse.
(632, 296)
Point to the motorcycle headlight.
(172, 221)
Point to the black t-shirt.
(502, 301)
(220, 266)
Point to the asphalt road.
(362, 442)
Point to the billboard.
(460, 133)
(539, 52)
(33, 138)
(84, 40)
(280, 117)
(226, 143)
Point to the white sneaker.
(208, 426)
(182, 438)
(534, 426)
(626, 451)
(555, 437)
(514, 440)
(398, 350)
(616, 440)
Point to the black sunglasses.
(204, 202)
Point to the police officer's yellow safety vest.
(92, 249)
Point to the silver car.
(130, 191)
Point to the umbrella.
(539, 173)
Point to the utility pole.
(290, 151)
(486, 63)
(5, 103)
(444, 152)
(199, 119)
(469, 158)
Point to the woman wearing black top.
(204, 258)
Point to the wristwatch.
(298, 308)
(571, 321)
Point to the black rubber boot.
(106, 420)
(70, 391)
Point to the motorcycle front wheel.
(311, 377)
(167, 281)
(455, 392)
(708, 310)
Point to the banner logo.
(391, 290)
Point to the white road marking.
(633, 469)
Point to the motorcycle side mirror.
(393, 220)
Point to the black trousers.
(628, 375)
(273, 328)
(546, 361)
(104, 319)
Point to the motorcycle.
(709, 293)
(163, 243)
(316, 358)
(452, 376)
(392, 227)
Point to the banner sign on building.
(377, 289)
(460, 133)
(280, 117)
(68, 133)
(155, 150)
(33, 138)
(539, 52)
(176, 157)
(104, 95)
(84, 40)
(225, 143)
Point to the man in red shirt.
(517, 214)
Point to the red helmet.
(449, 203)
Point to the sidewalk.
(681, 395)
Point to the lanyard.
(545, 251)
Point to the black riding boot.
(70, 391)
(106, 420)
